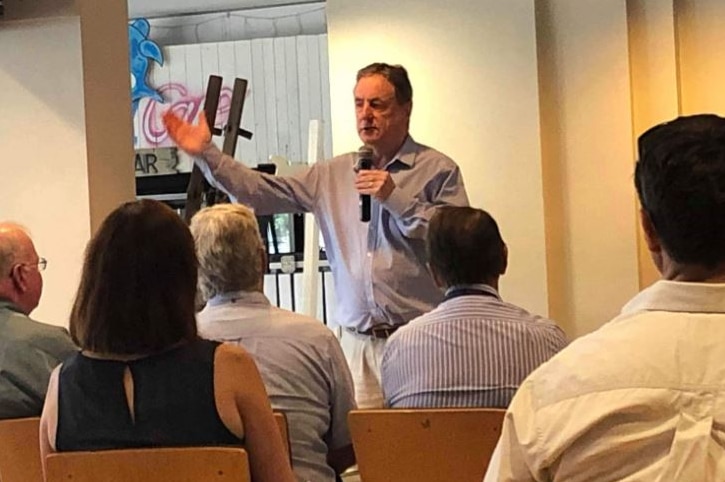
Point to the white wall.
(45, 182)
(588, 159)
(65, 132)
(473, 67)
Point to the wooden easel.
(200, 192)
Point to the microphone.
(364, 162)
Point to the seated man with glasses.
(29, 350)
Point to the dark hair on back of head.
(395, 74)
(680, 180)
(465, 246)
(138, 286)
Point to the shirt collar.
(406, 154)
(475, 286)
(7, 304)
(678, 296)
(245, 298)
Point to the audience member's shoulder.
(303, 327)
(231, 356)
(48, 338)
(22, 326)
(598, 361)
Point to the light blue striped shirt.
(471, 351)
(379, 268)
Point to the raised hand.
(191, 138)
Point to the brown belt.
(378, 331)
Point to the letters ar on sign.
(153, 162)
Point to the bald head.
(20, 280)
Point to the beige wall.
(655, 86)
(65, 134)
(588, 159)
(43, 150)
(701, 44)
(473, 68)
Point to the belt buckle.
(382, 331)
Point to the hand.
(374, 182)
(191, 138)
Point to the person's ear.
(650, 234)
(18, 277)
(504, 260)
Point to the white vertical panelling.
(296, 131)
(313, 73)
(194, 73)
(303, 85)
(270, 97)
(260, 106)
(280, 98)
(324, 66)
(209, 65)
(247, 149)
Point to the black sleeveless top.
(173, 402)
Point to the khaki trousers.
(364, 354)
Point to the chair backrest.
(424, 445)
(188, 464)
(281, 420)
(20, 450)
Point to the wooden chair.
(20, 450)
(281, 420)
(424, 445)
(193, 464)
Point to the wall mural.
(184, 104)
(142, 51)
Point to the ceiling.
(169, 8)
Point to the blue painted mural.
(142, 51)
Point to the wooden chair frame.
(188, 464)
(20, 450)
(425, 445)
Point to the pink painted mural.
(177, 97)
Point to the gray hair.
(11, 247)
(228, 245)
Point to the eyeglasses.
(41, 264)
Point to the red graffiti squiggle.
(186, 106)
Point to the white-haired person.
(300, 360)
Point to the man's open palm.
(191, 138)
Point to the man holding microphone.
(379, 266)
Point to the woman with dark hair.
(144, 378)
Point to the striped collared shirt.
(473, 350)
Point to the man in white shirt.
(300, 360)
(643, 397)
